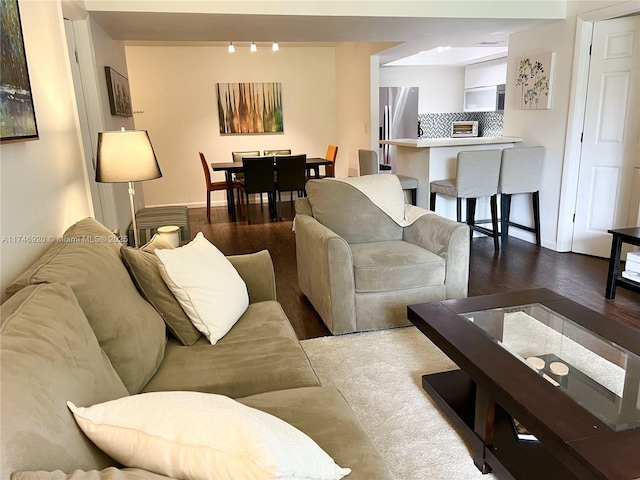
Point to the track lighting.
(253, 47)
(275, 47)
(231, 47)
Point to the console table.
(620, 236)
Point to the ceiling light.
(275, 47)
(440, 49)
(253, 47)
(231, 47)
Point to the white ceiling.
(410, 34)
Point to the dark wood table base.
(624, 235)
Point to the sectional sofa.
(89, 322)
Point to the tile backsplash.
(438, 125)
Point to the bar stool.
(478, 173)
(368, 163)
(520, 172)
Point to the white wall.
(441, 88)
(544, 127)
(174, 89)
(43, 187)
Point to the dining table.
(229, 168)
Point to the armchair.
(360, 269)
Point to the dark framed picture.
(18, 116)
(119, 95)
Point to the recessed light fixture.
(231, 47)
(275, 47)
(442, 49)
(253, 47)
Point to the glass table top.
(596, 373)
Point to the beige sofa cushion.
(110, 473)
(130, 331)
(325, 416)
(260, 353)
(349, 213)
(395, 265)
(49, 354)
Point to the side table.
(620, 236)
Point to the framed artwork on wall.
(535, 76)
(18, 119)
(250, 108)
(119, 94)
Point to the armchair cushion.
(349, 213)
(395, 265)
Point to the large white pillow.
(207, 286)
(194, 435)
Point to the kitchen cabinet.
(484, 74)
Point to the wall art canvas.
(250, 107)
(119, 94)
(535, 75)
(18, 117)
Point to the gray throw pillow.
(144, 270)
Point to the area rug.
(380, 375)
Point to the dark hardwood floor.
(523, 266)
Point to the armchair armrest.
(256, 269)
(325, 273)
(449, 240)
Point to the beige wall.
(173, 91)
(43, 186)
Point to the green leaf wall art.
(535, 74)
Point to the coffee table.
(585, 423)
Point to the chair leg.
(505, 207)
(432, 201)
(494, 221)
(248, 207)
(209, 206)
(240, 201)
(535, 200)
(459, 210)
(471, 214)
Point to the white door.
(609, 179)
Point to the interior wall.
(441, 88)
(353, 83)
(544, 127)
(43, 187)
(174, 97)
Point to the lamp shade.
(126, 156)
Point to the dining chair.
(237, 157)
(259, 178)
(369, 165)
(520, 172)
(478, 173)
(213, 186)
(329, 170)
(291, 177)
(273, 153)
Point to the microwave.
(464, 129)
(484, 99)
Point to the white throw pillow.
(207, 286)
(194, 435)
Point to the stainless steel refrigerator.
(398, 119)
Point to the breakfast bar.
(435, 159)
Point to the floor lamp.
(126, 156)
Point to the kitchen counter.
(435, 159)
(450, 142)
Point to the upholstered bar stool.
(520, 172)
(478, 172)
(368, 163)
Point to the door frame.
(577, 108)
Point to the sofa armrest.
(325, 273)
(449, 240)
(256, 269)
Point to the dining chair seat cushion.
(444, 187)
(408, 183)
(395, 265)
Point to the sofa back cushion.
(130, 331)
(349, 213)
(49, 355)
